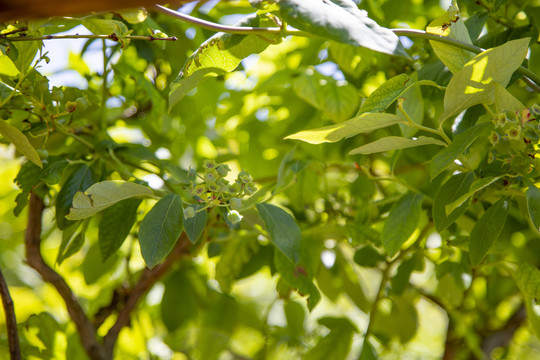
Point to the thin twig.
(113, 37)
(32, 241)
(11, 320)
(148, 278)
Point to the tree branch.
(11, 320)
(148, 278)
(34, 258)
(113, 37)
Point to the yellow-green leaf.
(394, 143)
(20, 141)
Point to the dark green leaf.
(461, 142)
(160, 229)
(367, 256)
(195, 226)
(345, 25)
(178, 286)
(284, 232)
(81, 179)
(452, 189)
(487, 230)
(401, 222)
(533, 205)
(115, 225)
(336, 345)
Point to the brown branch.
(502, 336)
(86, 330)
(11, 320)
(148, 278)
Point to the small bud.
(493, 138)
(189, 212)
(209, 164)
(71, 106)
(235, 203)
(211, 175)
(535, 109)
(514, 132)
(501, 120)
(234, 188)
(223, 169)
(199, 189)
(250, 189)
(244, 177)
(490, 158)
(234, 217)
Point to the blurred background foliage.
(237, 298)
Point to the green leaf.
(533, 205)
(473, 83)
(528, 280)
(105, 27)
(337, 99)
(178, 286)
(363, 123)
(101, 195)
(81, 179)
(389, 143)
(476, 186)
(20, 141)
(115, 225)
(7, 67)
(461, 142)
(195, 226)
(390, 91)
(412, 104)
(450, 25)
(401, 222)
(343, 24)
(93, 267)
(453, 188)
(218, 55)
(337, 344)
(74, 245)
(487, 230)
(284, 232)
(160, 229)
(234, 256)
(25, 54)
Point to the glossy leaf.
(360, 124)
(476, 186)
(105, 27)
(401, 222)
(451, 25)
(337, 99)
(459, 144)
(81, 179)
(343, 24)
(471, 85)
(104, 194)
(160, 229)
(390, 91)
(389, 143)
(284, 232)
(218, 55)
(533, 205)
(195, 226)
(115, 225)
(487, 230)
(7, 67)
(453, 188)
(20, 141)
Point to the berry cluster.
(214, 190)
(515, 138)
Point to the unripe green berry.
(250, 189)
(493, 138)
(514, 132)
(211, 175)
(244, 177)
(71, 106)
(223, 169)
(209, 164)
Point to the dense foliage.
(317, 181)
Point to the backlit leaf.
(101, 195)
(533, 205)
(363, 123)
(81, 179)
(389, 143)
(20, 141)
(401, 222)
(453, 188)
